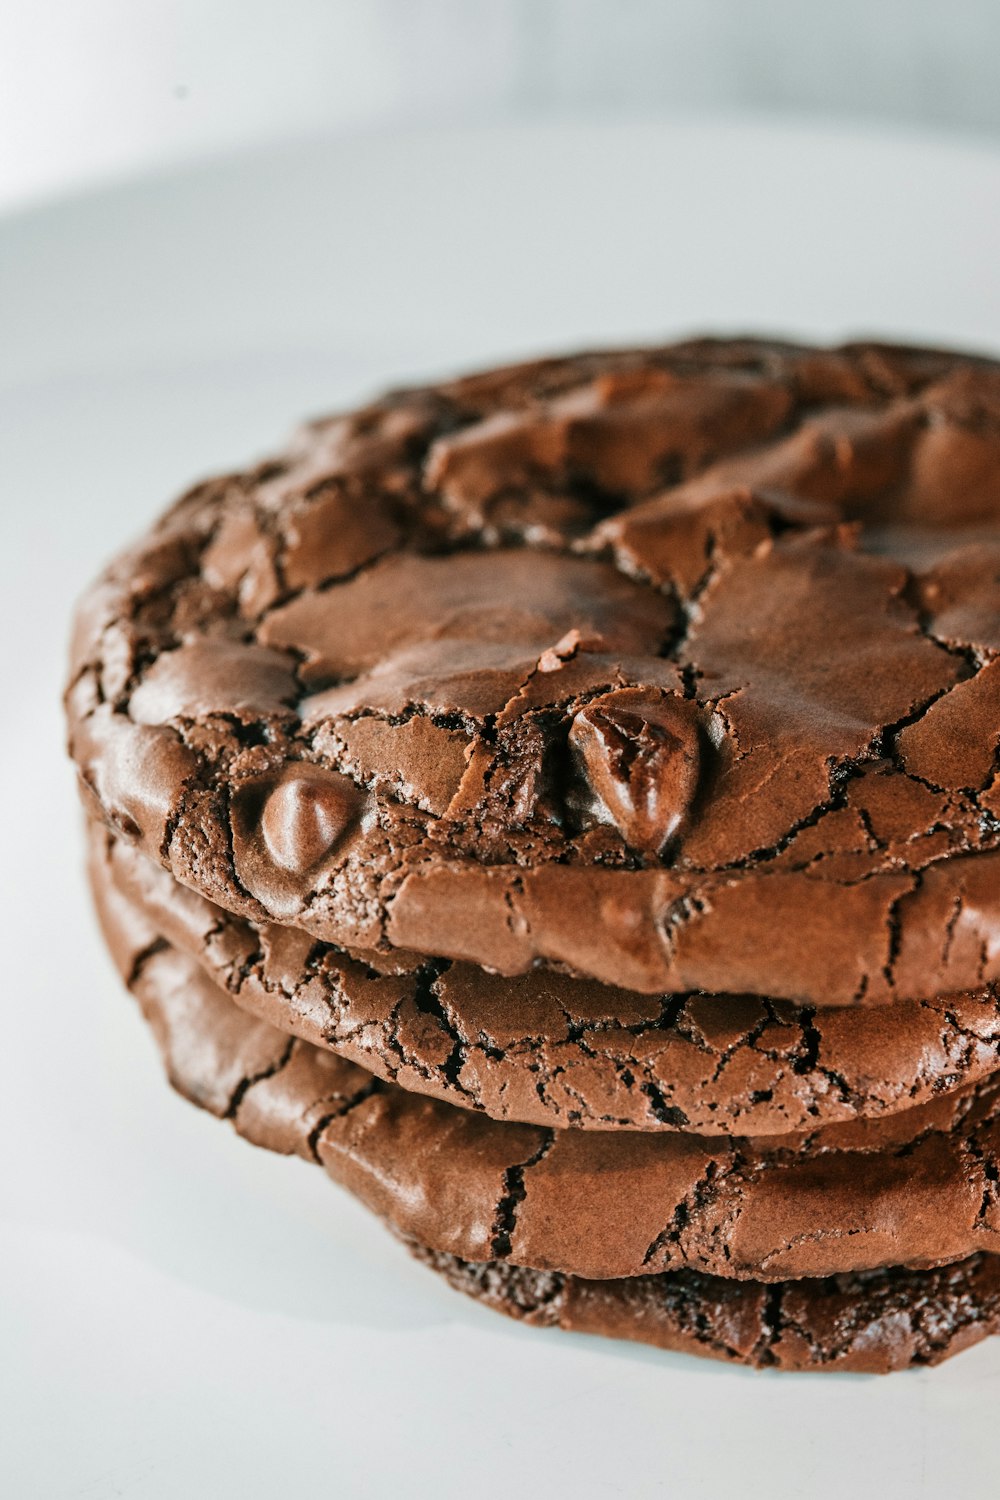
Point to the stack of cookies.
(563, 804)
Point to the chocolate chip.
(638, 752)
(308, 812)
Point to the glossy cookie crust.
(673, 668)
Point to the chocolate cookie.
(544, 1048)
(677, 669)
(917, 1188)
(871, 1324)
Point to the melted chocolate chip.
(288, 827)
(638, 752)
(305, 815)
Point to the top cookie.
(675, 668)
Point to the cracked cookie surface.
(868, 1324)
(919, 1187)
(547, 1049)
(639, 664)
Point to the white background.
(91, 87)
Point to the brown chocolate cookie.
(544, 1048)
(871, 1323)
(917, 1188)
(675, 668)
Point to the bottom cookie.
(871, 1323)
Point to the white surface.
(96, 87)
(183, 1315)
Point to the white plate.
(180, 1314)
